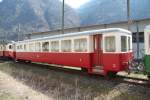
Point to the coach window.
(123, 43)
(129, 43)
(45, 46)
(66, 45)
(31, 47)
(55, 46)
(18, 47)
(110, 44)
(10, 46)
(38, 47)
(25, 48)
(80, 45)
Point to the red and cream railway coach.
(9, 50)
(1, 50)
(99, 51)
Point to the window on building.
(38, 47)
(141, 37)
(31, 47)
(66, 45)
(55, 46)
(123, 43)
(45, 46)
(80, 45)
(110, 44)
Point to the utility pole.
(137, 39)
(62, 26)
(128, 13)
(5, 36)
(18, 31)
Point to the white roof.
(147, 27)
(91, 32)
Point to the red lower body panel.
(113, 62)
(68, 59)
(1, 53)
(9, 54)
(116, 62)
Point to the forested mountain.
(34, 16)
(108, 11)
(45, 15)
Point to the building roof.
(147, 27)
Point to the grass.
(64, 85)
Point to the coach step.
(98, 67)
(98, 70)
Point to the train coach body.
(147, 50)
(2, 48)
(98, 51)
(9, 51)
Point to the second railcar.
(9, 51)
(147, 50)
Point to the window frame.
(40, 46)
(51, 45)
(124, 49)
(25, 47)
(70, 47)
(115, 45)
(48, 48)
(86, 49)
(32, 48)
(10, 47)
(129, 43)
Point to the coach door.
(97, 50)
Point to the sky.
(1, 0)
(76, 3)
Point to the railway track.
(133, 81)
(117, 79)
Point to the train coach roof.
(91, 32)
(147, 27)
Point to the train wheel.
(148, 78)
(84, 69)
(28, 61)
(15, 60)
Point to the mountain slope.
(108, 11)
(34, 16)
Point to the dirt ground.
(11, 89)
(21, 81)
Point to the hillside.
(33, 16)
(108, 11)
